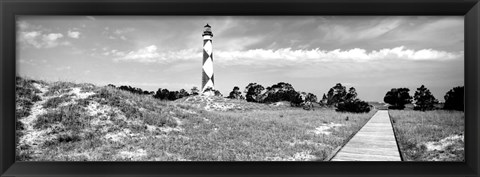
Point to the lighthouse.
(207, 64)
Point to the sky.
(370, 53)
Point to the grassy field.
(436, 135)
(64, 121)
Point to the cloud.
(51, 40)
(22, 25)
(91, 18)
(123, 31)
(118, 33)
(31, 38)
(341, 32)
(74, 34)
(151, 54)
(38, 39)
(286, 56)
(63, 68)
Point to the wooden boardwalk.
(374, 142)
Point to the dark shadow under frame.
(470, 9)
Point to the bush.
(397, 98)
(295, 99)
(235, 93)
(72, 116)
(338, 94)
(281, 92)
(55, 101)
(355, 106)
(454, 99)
(132, 89)
(253, 92)
(424, 100)
(194, 91)
(165, 94)
(59, 88)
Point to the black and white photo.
(240, 88)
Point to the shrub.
(454, 99)
(235, 93)
(424, 100)
(60, 88)
(355, 106)
(164, 94)
(132, 89)
(295, 99)
(72, 116)
(338, 94)
(253, 91)
(161, 94)
(55, 101)
(68, 137)
(194, 91)
(397, 98)
(281, 92)
(26, 95)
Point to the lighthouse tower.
(207, 64)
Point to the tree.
(295, 98)
(336, 94)
(324, 100)
(173, 95)
(281, 92)
(158, 94)
(235, 93)
(253, 91)
(210, 92)
(352, 94)
(132, 89)
(397, 97)
(424, 100)
(355, 105)
(454, 99)
(183, 93)
(217, 93)
(311, 97)
(165, 94)
(194, 91)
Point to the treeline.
(163, 94)
(337, 96)
(131, 89)
(423, 99)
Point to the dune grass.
(431, 135)
(107, 124)
(274, 135)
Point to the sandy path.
(32, 137)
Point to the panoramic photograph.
(240, 88)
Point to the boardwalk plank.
(374, 142)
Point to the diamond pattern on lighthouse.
(208, 47)
(208, 67)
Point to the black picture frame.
(470, 9)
